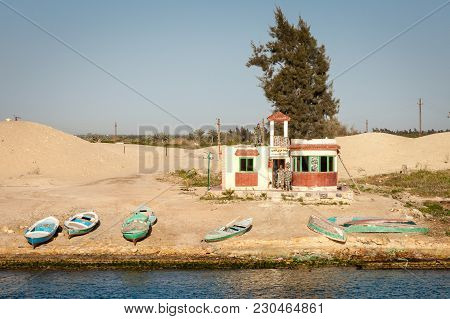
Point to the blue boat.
(42, 231)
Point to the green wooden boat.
(385, 228)
(230, 230)
(327, 229)
(354, 220)
(137, 226)
(377, 225)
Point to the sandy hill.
(377, 153)
(28, 148)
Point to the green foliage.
(295, 74)
(408, 133)
(192, 178)
(196, 139)
(421, 182)
(228, 194)
(435, 209)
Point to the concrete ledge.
(322, 196)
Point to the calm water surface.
(317, 283)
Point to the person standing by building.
(288, 177)
(280, 177)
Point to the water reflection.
(315, 283)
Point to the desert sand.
(46, 172)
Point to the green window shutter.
(242, 164)
(246, 164)
(250, 167)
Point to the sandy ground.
(75, 175)
(279, 228)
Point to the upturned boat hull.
(327, 229)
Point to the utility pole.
(263, 131)
(420, 115)
(218, 135)
(115, 129)
(209, 157)
(367, 126)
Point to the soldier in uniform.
(288, 177)
(280, 177)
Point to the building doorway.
(276, 165)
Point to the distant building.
(313, 162)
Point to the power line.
(395, 37)
(89, 60)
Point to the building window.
(322, 164)
(301, 163)
(331, 163)
(246, 165)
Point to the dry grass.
(421, 183)
(192, 178)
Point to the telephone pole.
(115, 129)
(218, 135)
(367, 126)
(420, 115)
(263, 131)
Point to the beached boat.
(42, 231)
(377, 225)
(385, 228)
(327, 229)
(341, 220)
(80, 224)
(234, 228)
(347, 221)
(379, 221)
(138, 225)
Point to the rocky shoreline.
(405, 260)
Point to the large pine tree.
(295, 75)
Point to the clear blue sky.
(189, 57)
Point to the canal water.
(315, 283)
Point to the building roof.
(278, 117)
(315, 147)
(246, 152)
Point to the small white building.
(313, 162)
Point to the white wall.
(230, 166)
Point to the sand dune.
(377, 153)
(29, 149)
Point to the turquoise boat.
(137, 226)
(81, 223)
(385, 228)
(347, 221)
(377, 225)
(42, 231)
(232, 229)
(327, 229)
